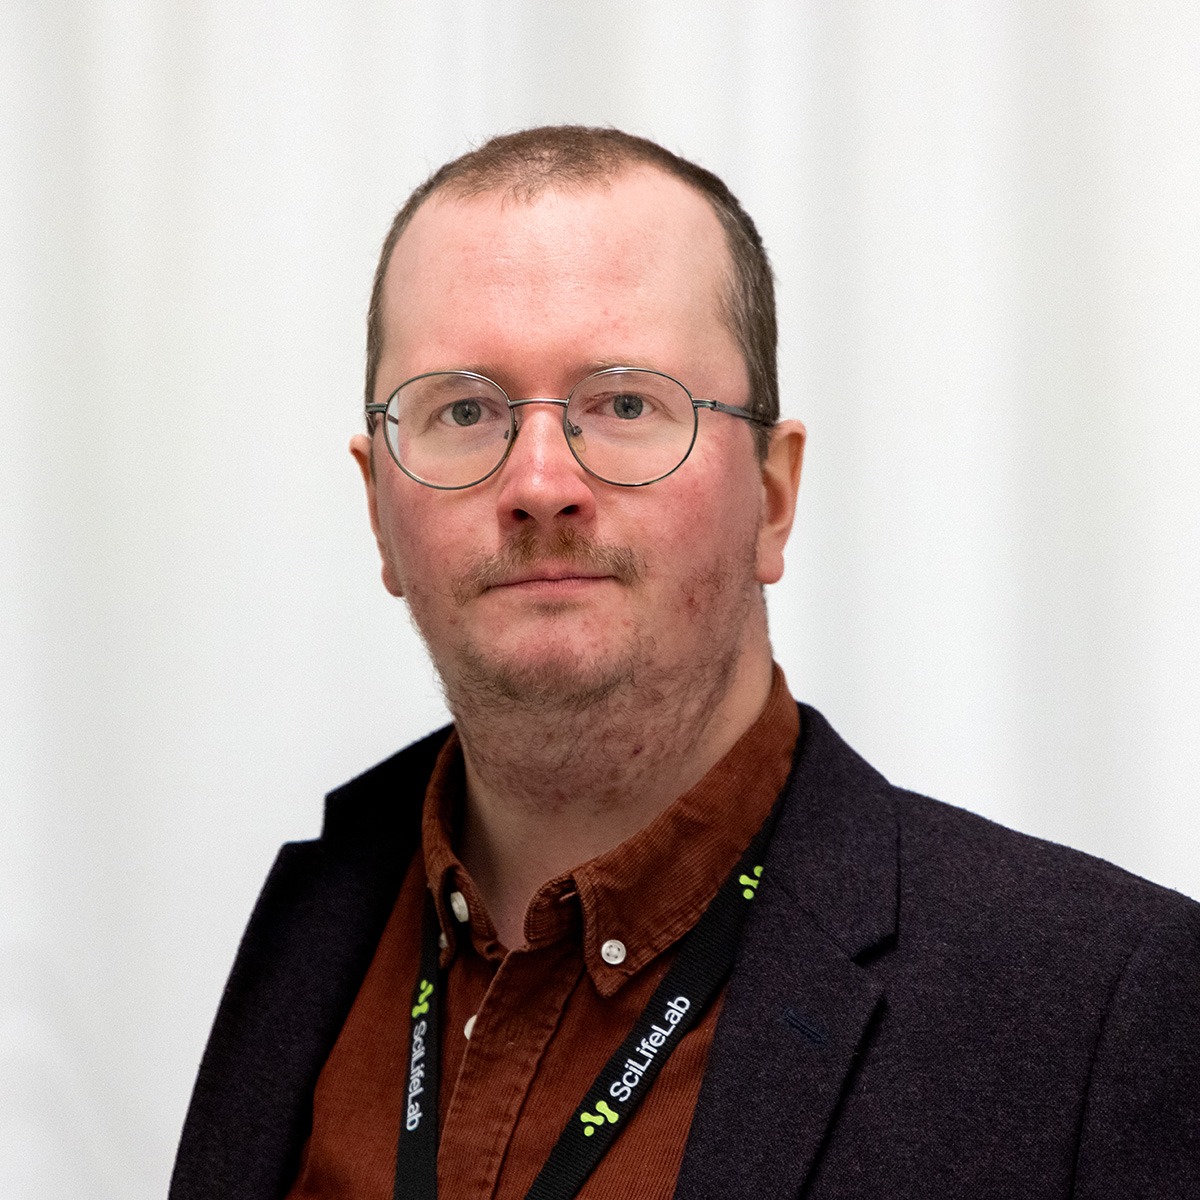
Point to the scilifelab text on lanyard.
(703, 961)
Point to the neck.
(550, 787)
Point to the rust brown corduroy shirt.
(525, 1032)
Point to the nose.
(541, 479)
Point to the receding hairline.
(518, 190)
(599, 156)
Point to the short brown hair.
(524, 164)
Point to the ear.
(780, 482)
(362, 449)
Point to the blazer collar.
(801, 999)
(835, 850)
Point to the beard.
(554, 684)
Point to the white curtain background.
(985, 219)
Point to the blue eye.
(627, 406)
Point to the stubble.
(557, 726)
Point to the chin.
(544, 679)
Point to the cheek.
(715, 513)
(406, 554)
(707, 548)
(427, 551)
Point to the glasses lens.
(630, 426)
(449, 429)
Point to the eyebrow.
(583, 370)
(604, 364)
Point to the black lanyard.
(704, 959)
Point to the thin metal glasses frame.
(380, 410)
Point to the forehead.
(633, 269)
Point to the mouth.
(550, 576)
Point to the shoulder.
(384, 799)
(951, 908)
(958, 867)
(1030, 995)
(1061, 977)
(302, 958)
(957, 870)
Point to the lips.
(550, 574)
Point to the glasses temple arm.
(734, 411)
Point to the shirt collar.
(651, 889)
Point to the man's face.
(543, 583)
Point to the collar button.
(613, 952)
(458, 906)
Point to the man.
(638, 926)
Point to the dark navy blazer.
(925, 1005)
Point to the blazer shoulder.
(971, 862)
(957, 873)
(377, 801)
(979, 1011)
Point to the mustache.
(567, 548)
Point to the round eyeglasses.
(627, 426)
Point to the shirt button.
(443, 941)
(458, 906)
(613, 952)
(469, 1027)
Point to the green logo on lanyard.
(750, 885)
(590, 1121)
(422, 1005)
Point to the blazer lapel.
(298, 969)
(799, 1004)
